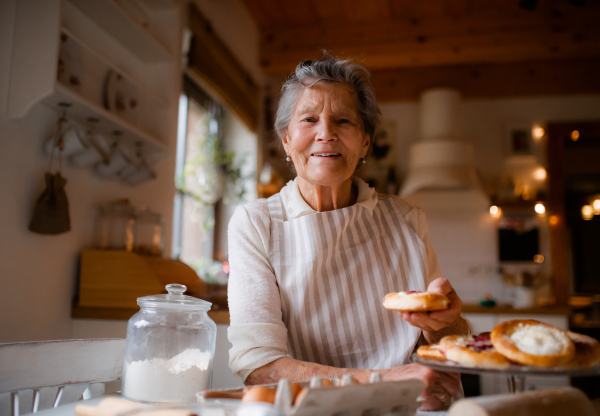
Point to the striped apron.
(333, 270)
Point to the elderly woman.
(311, 265)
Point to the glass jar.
(170, 348)
(115, 226)
(148, 233)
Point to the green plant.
(208, 270)
(211, 174)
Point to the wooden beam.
(492, 80)
(451, 39)
(212, 65)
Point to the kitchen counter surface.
(83, 312)
(506, 309)
(222, 316)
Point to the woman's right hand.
(440, 387)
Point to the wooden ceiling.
(410, 45)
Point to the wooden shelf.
(80, 312)
(105, 40)
(116, 21)
(139, 86)
(82, 108)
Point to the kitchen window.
(196, 201)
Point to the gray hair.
(329, 69)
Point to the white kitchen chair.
(40, 364)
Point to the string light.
(596, 205)
(587, 212)
(574, 135)
(540, 209)
(538, 132)
(553, 220)
(540, 174)
(538, 258)
(495, 212)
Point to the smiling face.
(325, 137)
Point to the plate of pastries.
(520, 345)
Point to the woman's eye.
(309, 120)
(344, 121)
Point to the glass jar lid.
(119, 207)
(174, 299)
(146, 214)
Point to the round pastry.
(415, 301)
(587, 351)
(432, 352)
(531, 342)
(473, 351)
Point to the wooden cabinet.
(106, 60)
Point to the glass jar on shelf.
(115, 226)
(148, 233)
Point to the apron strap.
(276, 210)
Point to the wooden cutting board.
(115, 279)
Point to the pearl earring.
(288, 158)
(364, 160)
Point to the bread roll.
(551, 402)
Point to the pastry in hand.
(415, 301)
(587, 351)
(473, 351)
(531, 342)
(432, 352)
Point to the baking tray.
(513, 369)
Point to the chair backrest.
(34, 365)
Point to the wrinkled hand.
(440, 387)
(437, 320)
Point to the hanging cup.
(72, 142)
(116, 165)
(142, 174)
(98, 150)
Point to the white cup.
(117, 165)
(97, 151)
(73, 142)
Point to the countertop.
(222, 316)
(84, 312)
(506, 309)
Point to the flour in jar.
(177, 379)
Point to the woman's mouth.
(326, 154)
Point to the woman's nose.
(326, 131)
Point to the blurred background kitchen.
(158, 113)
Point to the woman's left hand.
(437, 320)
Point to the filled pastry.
(473, 351)
(587, 351)
(531, 342)
(415, 301)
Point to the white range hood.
(439, 160)
(443, 182)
